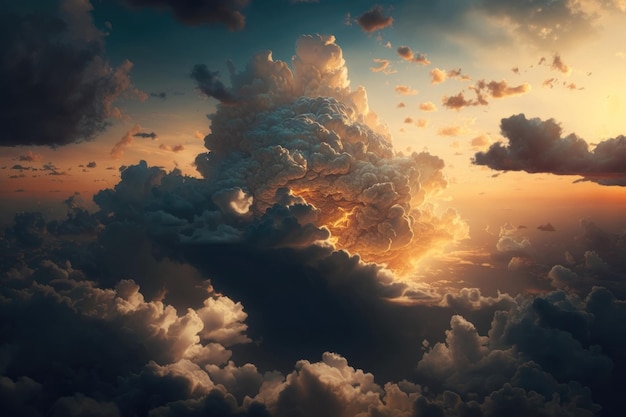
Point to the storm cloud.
(60, 57)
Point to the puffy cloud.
(60, 56)
(537, 146)
(405, 90)
(428, 106)
(437, 76)
(227, 12)
(374, 19)
(407, 54)
(327, 149)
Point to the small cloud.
(422, 122)
(374, 20)
(383, 66)
(408, 120)
(91, 164)
(161, 95)
(452, 131)
(401, 105)
(546, 227)
(30, 157)
(559, 65)
(428, 106)
(146, 135)
(118, 149)
(175, 148)
(405, 90)
(408, 55)
(480, 141)
(20, 167)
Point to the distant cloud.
(175, 148)
(30, 157)
(437, 76)
(59, 56)
(200, 12)
(383, 66)
(559, 65)
(374, 20)
(546, 227)
(537, 146)
(452, 131)
(408, 55)
(422, 122)
(484, 90)
(150, 135)
(162, 95)
(401, 105)
(405, 90)
(91, 164)
(118, 149)
(480, 141)
(428, 106)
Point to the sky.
(312, 208)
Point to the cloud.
(405, 90)
(374, 20)
(210, 85)
(118, 149)
(150, 135)
(428, 106)
(546, 227)
(408, 55)
(176, 148)
(536, 146)
(161, 95)
(484, 90)
(559, 65)
(91, 164)
(60, 56)
(437, 76)
(383, 66)
(226, 12)
(480, 141)
(30, 157)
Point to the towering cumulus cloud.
(303, 140)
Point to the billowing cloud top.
(303, 140)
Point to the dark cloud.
(536, 146)
(374, 19)
(546, 227)
(30, 157)
(195, 13)
(60, 57)
(91, 164)
(210, 84)
(161, 95)
(150, 135)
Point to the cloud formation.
(61, 57)
(536, 146)
(484, 90)
(195, 13)
(407, 54)
(315, 143)
(374, 19)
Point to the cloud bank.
(537, 146)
